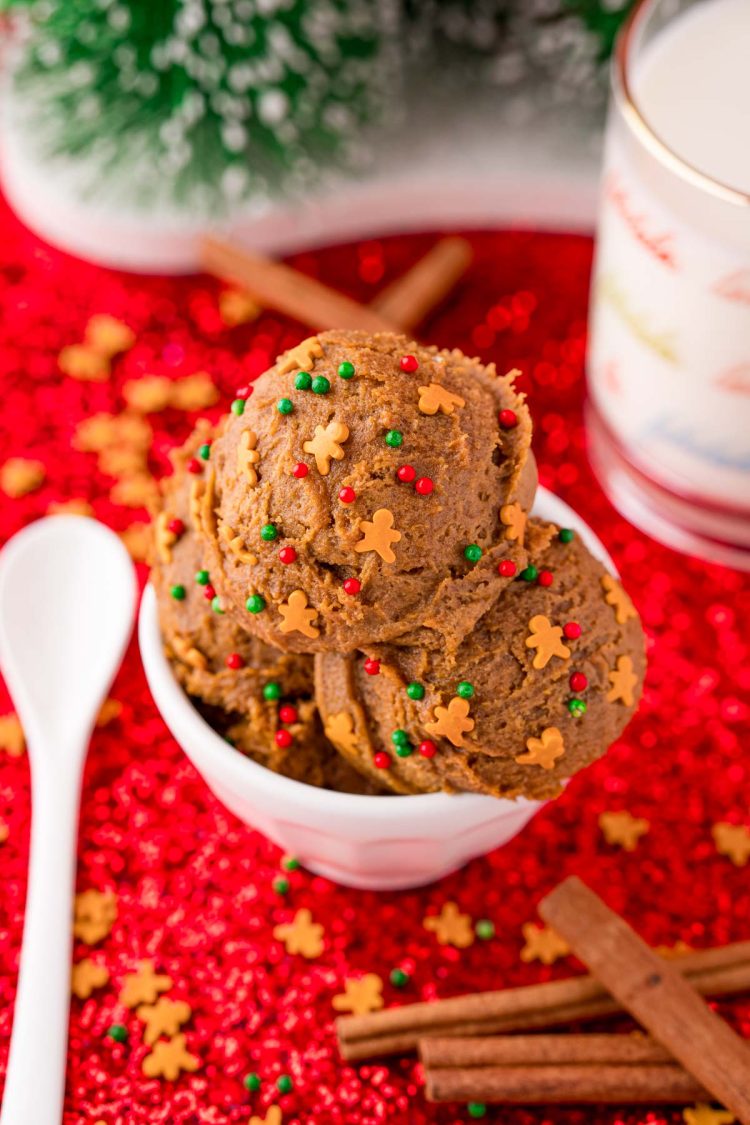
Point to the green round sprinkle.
(415, 690)
(281, 886)
(178, 593)
(216, 605)
(284, 1084)
(477, 1109)
(285, 406)
(251, 1082)
(530, 574)
(473, 552)
(320, 385)
(118, 1032)
(268, 532)
(238, 406)
(399, 979)
(202, 577)
(394, 438)
(465, 689)
(255, 603)
(404, 750)
(290, 863)
(205, 451)
(303, 381)
(400, 738)
(485, 929)
(272, 691)
(346, 370)
(566, 535)
(577, 707)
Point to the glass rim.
(638, 122)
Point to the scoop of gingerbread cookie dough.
(367, 491)
(546, 681)
(259, 698)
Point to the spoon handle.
(35, 1081)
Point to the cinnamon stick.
(654, 992)
(541, 1050)
(408, 299)
(578, 1084)
(720, 971)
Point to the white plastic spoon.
(67, 598)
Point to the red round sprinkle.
(409, 363)
(572, 630)
(194, 465)
(243, 392)
(406, 474)
(347, 495)
(424, 486)
(234, 661)
(177, 527)
(427, 748)
(352, 586)
(287, 555)
(507, 568)
(578, 682)
(209, 593)
(288, 713)
(283, 739)
(508, 419)
(381, 760)
(300, 470)
(545, 578)
(372, 667)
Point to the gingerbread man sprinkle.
(196, 392)
(168, 1058)
(733, 841)
(165, 1017)
(148, 395)
(615, 596)
(297, 616)
(327, 445)
(360, 995)
(272, 1117)
(164, 537)
(87, 976)
(94, 915)
(19, 476)
(301, 935)
(547, 640)
(452, 722)
(624, 681)
(144, 986)
(623, 829)
(84, 363)
(542, 944)
(450, 926)
(514, 519)
(378, 534)
(108, 336)
(434, 398)
(340, 730)
(302, 357)
(248, 456)
(236, 546)
(237, 307)
(543, 751)
(704, 1114)
(12, 738)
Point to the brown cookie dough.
(319, 544)
(546, 681)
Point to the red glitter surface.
(195, 887)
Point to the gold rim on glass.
(639, 125)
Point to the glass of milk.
(669, 357)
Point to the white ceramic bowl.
(378, 843)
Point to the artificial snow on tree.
(203, 101)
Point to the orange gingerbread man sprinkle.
(196, 392)
(327, 445)
(378, 534)
(273, 1117)
(84, 363)
(168, 1058)
(542, 944)
(514, 519)
(450, 926)
(12, 738)
(108, 336)
(452, 722)
(733, 841)
(144, 986)
(164, 537)
(302, 357)
(434, 398)
(165, 1017)
(248, 456)
(110, 710)
(301, 935)
(547, 640)
(624, 681)
(340, 730)
(237, 307)
(704, 1114)
(87, 976)
(297, 616)
(148, 395)
(543, 751)
(615, 596)
(622, 829)
(19, 476)
(236, 546)
(94, 915)
(360, 995)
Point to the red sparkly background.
(194, 886)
